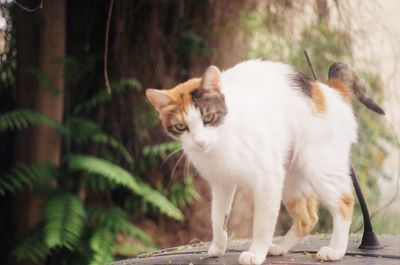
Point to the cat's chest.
(213, 167)
(228, 164)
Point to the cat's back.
(250, 76)
(283, 102)
(259, 87)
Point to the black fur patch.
(303, 82)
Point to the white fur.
(275, 143)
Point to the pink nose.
(200, 143)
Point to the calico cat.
(270, 129)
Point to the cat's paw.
(250, 258)
(218, 246)
(276, 250)
(329, 254)
(216, 251)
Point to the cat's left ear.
(211, 79)
(159, 98)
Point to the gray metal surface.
(302, 253)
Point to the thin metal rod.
(363, 204)
(310, 65)
(369, 239)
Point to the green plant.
(74, 226)
(183, 194)
(180, 193)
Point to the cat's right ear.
(212, 79)
(158, 98)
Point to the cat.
(273, 130)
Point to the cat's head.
(192, 111)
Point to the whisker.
(186, 169)
(175, 167)
(171, 155)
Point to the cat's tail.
(341, 73)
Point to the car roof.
(302, 253)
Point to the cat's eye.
(180, 127)
(209, 118)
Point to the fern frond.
(129, 249)
(22, 175)
(104, 96)
(98, 183)
(100, 243)
(64, 220)
(22, 118)
(114, 143)
(32, 248)
(118, 175)
(80, 130)
(161, 150)
(117, 221)
(183, 193)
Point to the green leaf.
(21, 119)
(64, 220)
(130, 249)
(104, 96)
(117, 221)
(162, 150)
(183, 193)
(97, 183)
(118, 175)
(81, 130)
(21, 175)
(117, 145)
(32, 247)
(100, 243)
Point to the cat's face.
(192, 111)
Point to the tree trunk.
(40, 46)
(49, 100)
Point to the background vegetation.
(87, 176)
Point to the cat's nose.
(200, 143)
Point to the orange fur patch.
(341, 87)
(304, 214)
(181, 93)
(312, 208)
(346, 206)
(318, 97)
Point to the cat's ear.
(212, 79)
(159, 98)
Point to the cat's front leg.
(266, 209)
(222, 196)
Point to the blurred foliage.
(75, 223)
(326, 44)
(180, 193)
(387, 223)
